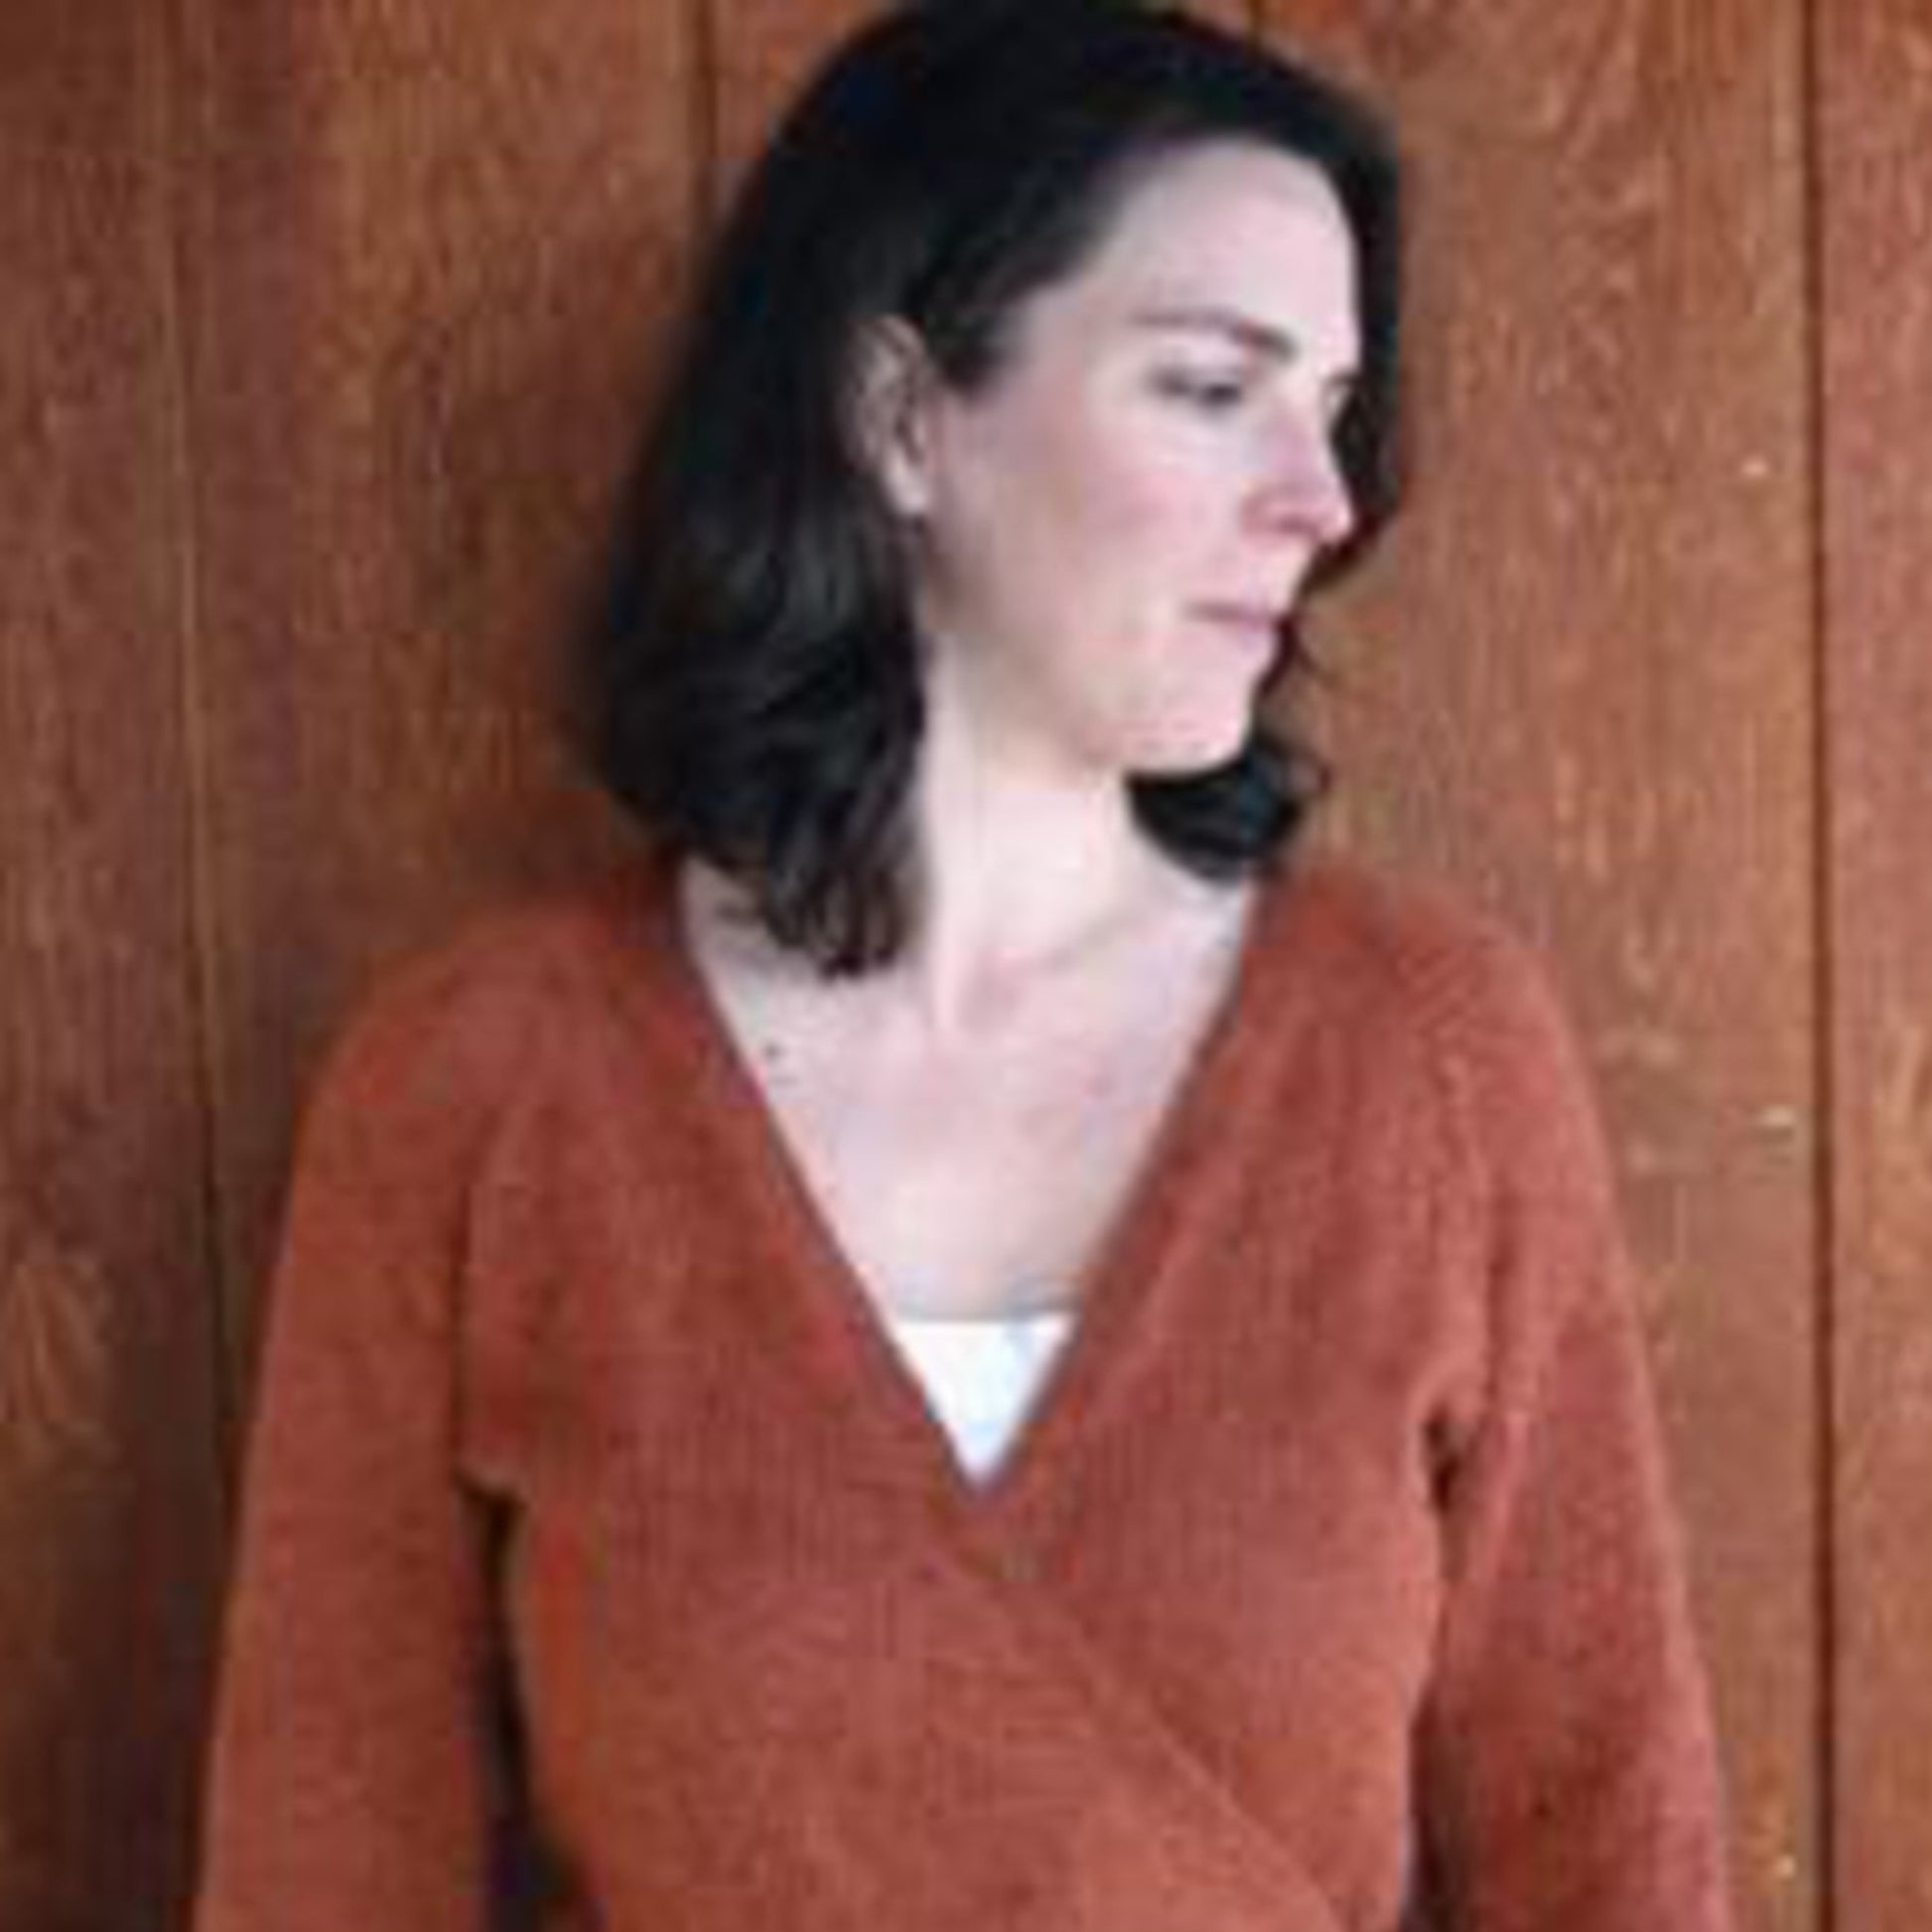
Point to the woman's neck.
(1021, 869)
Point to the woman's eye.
(1212, 393)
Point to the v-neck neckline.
(1117, 1293)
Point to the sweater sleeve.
(1567, 1768)
(353, 1778)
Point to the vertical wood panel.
(109, 1498)
(1873, 59)
(1580, 683)
(433, 244)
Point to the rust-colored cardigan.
(602, 1565)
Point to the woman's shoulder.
(1420, 944)
(1478, 1002)
(466, 1015)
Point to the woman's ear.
(891, 406)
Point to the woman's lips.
(1253, 624)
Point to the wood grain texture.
(1579, 684)
(433, 245)
(110, 1485)
(1873, 59)
(297, 495)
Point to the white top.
(981, 1373)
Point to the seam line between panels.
(176, 78)
(1815, 209)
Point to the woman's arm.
(354, 1778)
(1566, 1765)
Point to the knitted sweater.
(602, 1565)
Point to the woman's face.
(1110, 529)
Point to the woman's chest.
(748, 1561)
(973, 1190)
(737, 1552)
(982, 1179)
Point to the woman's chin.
(1194, 753)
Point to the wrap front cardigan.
(601, 1565)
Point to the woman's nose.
(1304, 491)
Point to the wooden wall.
(324, 334)
(111, 1499)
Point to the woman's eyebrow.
(1263, 338)
(1249, 331)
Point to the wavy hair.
(755, 680)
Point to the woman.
(975, 1350)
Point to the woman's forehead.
(1227, 233)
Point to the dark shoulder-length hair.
(755, 673)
